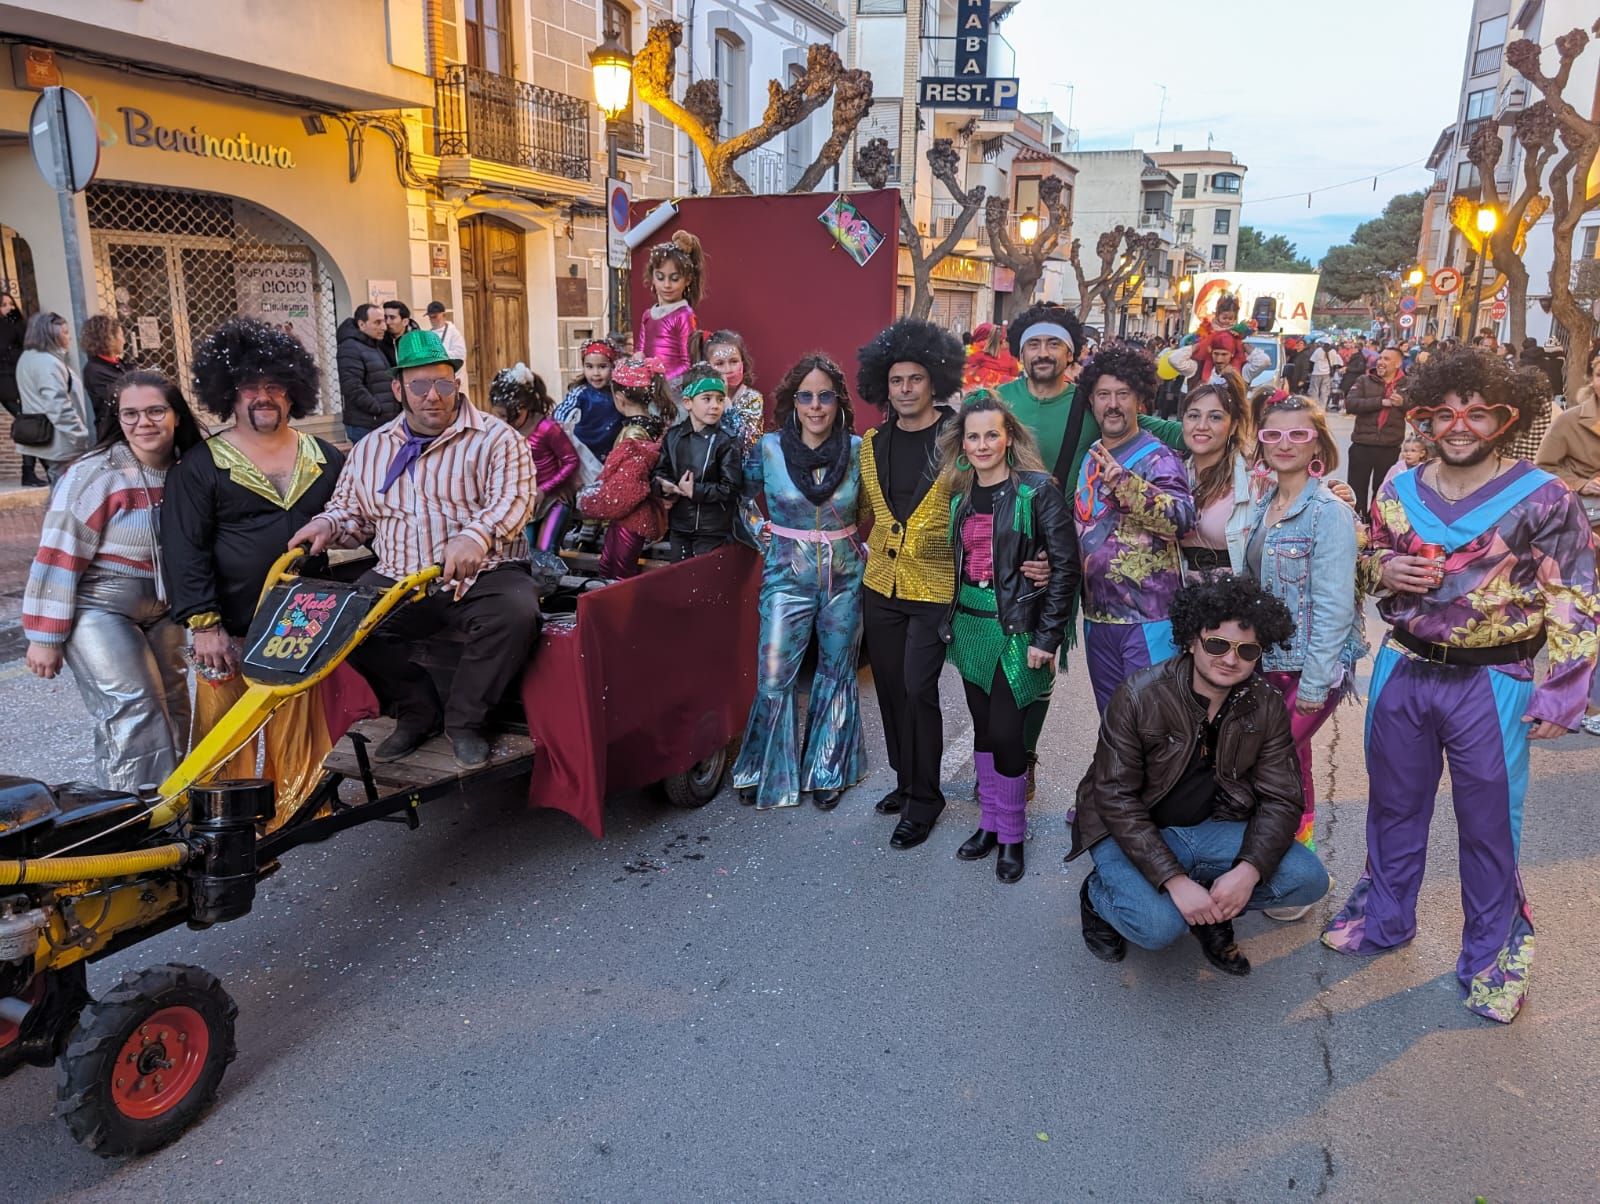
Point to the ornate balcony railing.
(489, 116)
(629, 135)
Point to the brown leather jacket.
(1146, 739)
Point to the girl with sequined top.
(669, 330)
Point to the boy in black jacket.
(699, 472)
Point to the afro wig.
(1130, 365)
(1044, 312)
(242, 351)
(1213, 601)
(1473, 370)
(910, 341)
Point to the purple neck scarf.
(405, 460)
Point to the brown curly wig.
(1128, 364)
(1472, 370)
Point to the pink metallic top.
(977, 539)
(664, 331)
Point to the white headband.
(1042, 329)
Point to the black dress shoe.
(909, 833)
(826, 800)
(1009, 866)
(979, 845)
(1104, 941)
(1216, 942)
(408, 736)
(890, 803)
(471, 749)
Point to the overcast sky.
(1304, 96)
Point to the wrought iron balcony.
(489, 116)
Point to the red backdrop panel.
(775, 274)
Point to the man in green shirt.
(1045, 339)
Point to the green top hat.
(418, 349)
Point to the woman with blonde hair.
(1002, 630)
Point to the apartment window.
(1467, 178)
(1480, 107)
(1219, 252)
(1027, 195)
(1591, 236)
(1222, 222)
(1189, 182)
(880, 8)
(1491, 46)
(1226, 181)
(619, 21)
(487, 25)
(882, 121)
(730, 70)
(1186, 221)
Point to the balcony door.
(494, 300)
(487, 25)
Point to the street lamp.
(1028, 227)
(1488, 219)
(1185, 287)
(612, 68)
(1415, 278)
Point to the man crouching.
(1190, 807)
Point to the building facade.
(1210, 196)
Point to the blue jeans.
(1146, 916)
(357, 433)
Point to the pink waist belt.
(813, 536)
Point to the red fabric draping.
(656, 674)
(346, 700)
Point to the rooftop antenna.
(1160, 116)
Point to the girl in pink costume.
(669, 330)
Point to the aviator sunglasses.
(1248, 650)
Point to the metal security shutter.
(173, 266)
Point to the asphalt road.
(724, 1005)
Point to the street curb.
(24, 499)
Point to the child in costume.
(1003, 632)
(744, 418)
(1218, 344)
(622, 495)
(668, 330)
(589, 415)
(519, 394)
(699, 469)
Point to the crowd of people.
(1219, 567)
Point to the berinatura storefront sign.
(141, 130)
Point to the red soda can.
(1435, 553)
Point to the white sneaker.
(1591, 724)
(1289, 915)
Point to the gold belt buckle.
(1439, 654)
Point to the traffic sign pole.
(61, 141)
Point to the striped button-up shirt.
(474, 479)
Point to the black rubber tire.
(84, 1074)
(701, 784)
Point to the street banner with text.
(1295, 293)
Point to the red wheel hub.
(159, 1063)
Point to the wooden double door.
(494, 300)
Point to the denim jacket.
(1308, 562)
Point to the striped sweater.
(101, 514)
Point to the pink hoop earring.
(1316, 468)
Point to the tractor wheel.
(145, 1060)
(700, 785)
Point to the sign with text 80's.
(298, 631)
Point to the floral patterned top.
(1128, 536)
(1519, 559)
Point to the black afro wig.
(1131, 365)
(1043, 312)
(910, 341)
(243, 350)
(1474, 370)
(1213, 601)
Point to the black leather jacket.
(1042, 612)
(713, 456)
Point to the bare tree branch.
(852, 101)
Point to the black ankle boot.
(1216, 942)
(1008, 867)
(1104, 941)
(978, 846)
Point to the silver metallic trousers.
(127, 657)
